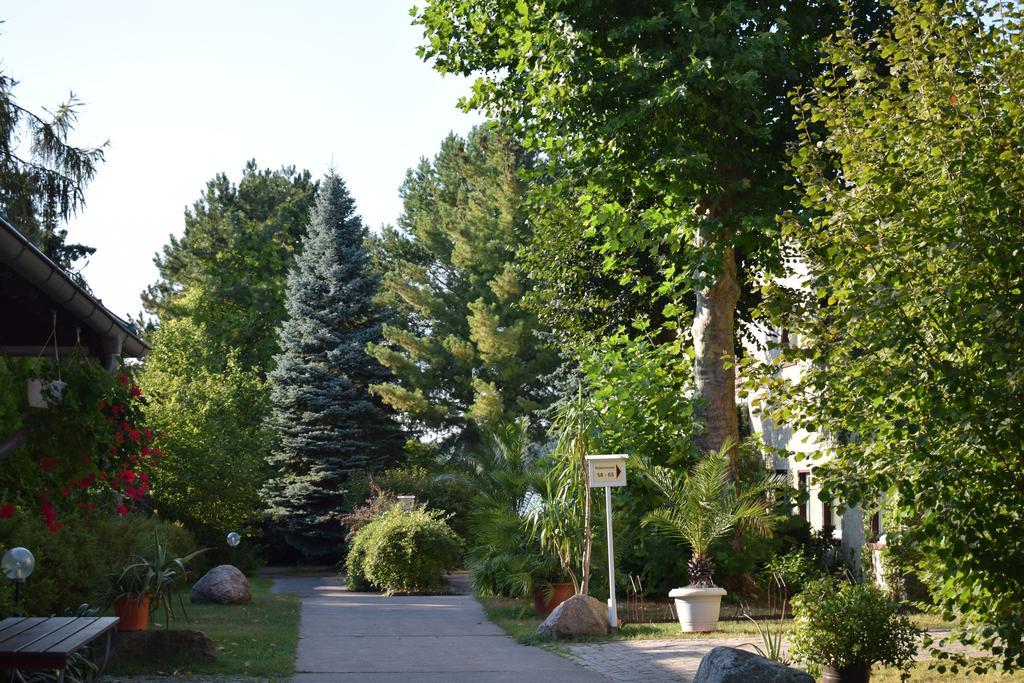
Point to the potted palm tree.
(703, 506)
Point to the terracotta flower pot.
(133, 613)
(560, 593)
(850, 674)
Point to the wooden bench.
(47, 642)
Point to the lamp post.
(17, 565)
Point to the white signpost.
(607, 471)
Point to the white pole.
(613, 612)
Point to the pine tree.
(463, 351)
(328, 424)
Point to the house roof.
(43, 308)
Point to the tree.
(328, 424)
(43, 177)
(669, 122)
(211, 411)
(218, 301)
(911, 320)
(238, 244)
(462, 350)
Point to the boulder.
(160, 644)
(730, 665)
(223, 584)
(580, 615)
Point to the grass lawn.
(257, 639)
(922, 674)
(516, 617)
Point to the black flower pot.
(860, 673)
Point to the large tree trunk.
(714, 348)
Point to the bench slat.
(29, 636)
(12, 626)
(90, 630)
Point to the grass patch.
(921, 673)
(258, 639)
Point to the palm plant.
(705, 505)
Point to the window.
(876, 526)
(826, 516)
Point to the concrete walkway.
(347, 636)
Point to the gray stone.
(731, 665)
(580, 615)
(224, 584)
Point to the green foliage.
(152, 573)
(355, 563)
(912, 312)
(404, 551)
(73, 564)
(90, 449)
(211, 411)
(43, 188)
(446, 493)
(663, 128)
(328, 425)
(705, 505)
(792, 571)
(462, 350)
(854, 625)
(238, 244)
(505, 557)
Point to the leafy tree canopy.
(911, 316)
(238, 244)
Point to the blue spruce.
(328, 424)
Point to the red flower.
(132, 493)
(136, 392)
(6, 511)
(47, 463)
(149, 433)
(134, 435)
(122, 510)
(127, 476)
(123, 378)
(88, 507)
(113, 449)
(103, 404)
(65, 492)
(54, 526)
(146, 450)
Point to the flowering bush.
(90, 450)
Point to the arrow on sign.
(618, 471)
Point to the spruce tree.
(328, 424)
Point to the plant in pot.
(846, 630)
(703, 506)
(144, 584)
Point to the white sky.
(186, 89)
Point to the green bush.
(73, 563)
(450, 495)
(854, 625)
(403, 551)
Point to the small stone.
(580, 615)
(224, 584)
(731, 665)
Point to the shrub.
(72, 564)
(793, 571)
(355, 576)
(404, 551)
(854, 626)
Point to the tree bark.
(714, 348)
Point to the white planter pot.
(697, 608)
(43, 393)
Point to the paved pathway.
(656, 661)
(347, 636)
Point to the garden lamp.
(407, 502)
(233, 540)
(17, 565)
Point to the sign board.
(606, 470)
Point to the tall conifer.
(327, 423)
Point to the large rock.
(729, 665)
(160, 644)
(580, 615)
(223, 584)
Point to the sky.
(185, 90)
